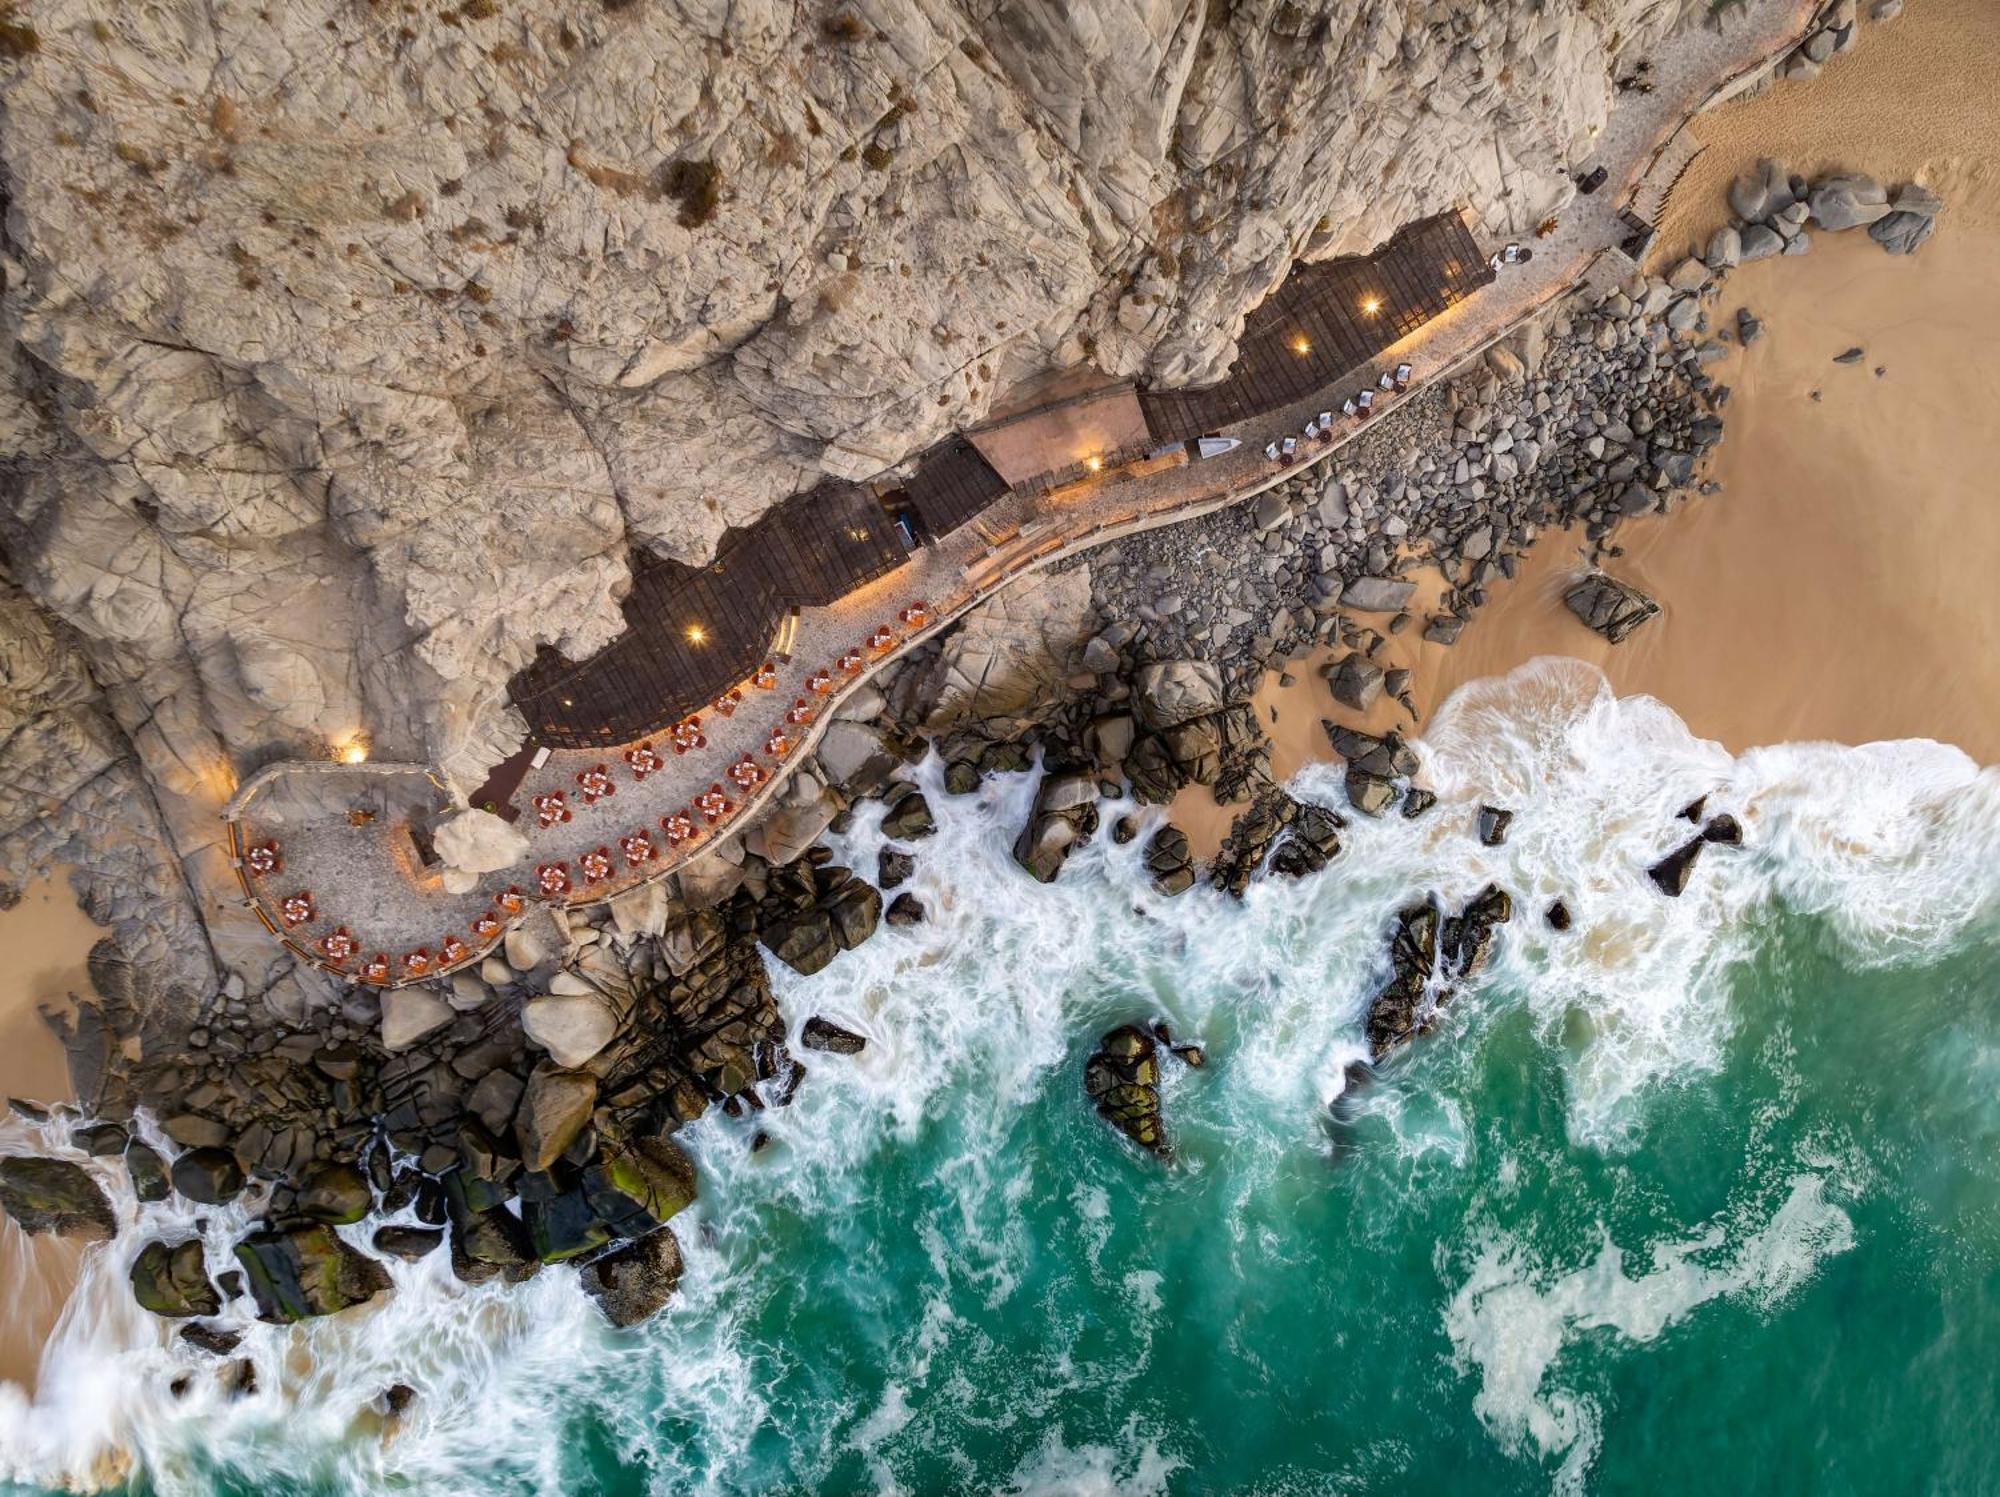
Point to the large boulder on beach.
(1912, 216)
(1847, 200)
(335, 1192)
(1356, 681)
(1170, 860)
(636, 1188)
(208, 1177)
(55, 1195)
(1761, 191)
(305, 1270)
(1064, 817)
(1612, 608)
(633, 1283)
(1170, 692)
(554, 1110)
(810, 914)
(173, 1281)
(572, 1027)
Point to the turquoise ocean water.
(1702, 1196)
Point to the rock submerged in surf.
(54, 1195)
(173, 1281)
(1671, 874)
(302, 1271)
(1123, 1077)
(1431, 955)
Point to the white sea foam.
(1512, 1318)
(967, 1016)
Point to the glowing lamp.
(696, 634)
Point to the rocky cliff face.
(350, 347)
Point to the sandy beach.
(1839, 587)
(47, 939)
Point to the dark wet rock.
(99, 1140)
(633, 1283)
(173, 1281)
(909, 816)
(208, 1177)
(211, 1338)
(1005, 758)
(408, 1243)
(1612, 608)
(1309, 844)
(1429, 956)
(1557, 915)
(1170, 860)
(893, 868)
(1444, 628)
(1168, 693)
(1671, 873)
(335, 1193)
(812, 913)
(1417, 801)
(1694, 809)
(1465, 941)
(1394, 1015)
(54, 1195)
(905, 910)
(1125, 829)
(824, 1034)
(397, 1397)
(298, 1272)
(1355, 682)
(1192, 1055)
(1493, 825)
(961, 778)
(1370, 794)
(1724, 829)
(636, 1188)
(1064, 817)
(1850, 356)
(1122, 1076)
(490, 1244)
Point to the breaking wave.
(943, 1261)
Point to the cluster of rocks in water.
(1122, 1077)
(523, 1115)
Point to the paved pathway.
(369, 878)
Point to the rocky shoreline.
(523, 1117)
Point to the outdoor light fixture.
(354, 751)
(1094, 463)
(567, 702)
(1372, 305)
(1301, 345)
(696, 634)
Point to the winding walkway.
(367, 876)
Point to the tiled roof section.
(693, 632)
(1318, 325)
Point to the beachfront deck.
(393, 901)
